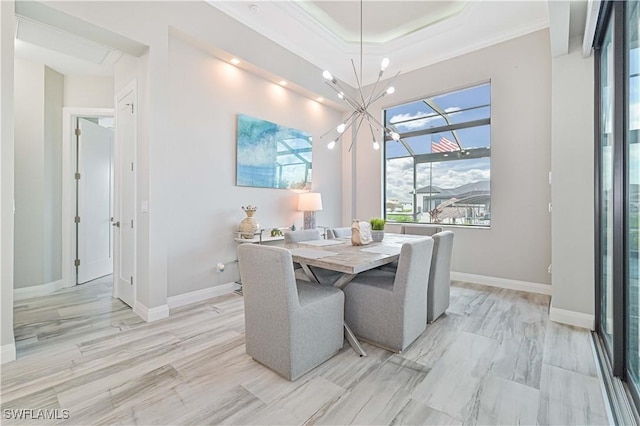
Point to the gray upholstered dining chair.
(324, 276)
(302, 235)
(290, 326)
(390, 310)
(417, 229)
(439, 287)
(344, 232)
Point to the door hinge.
(77, 262)
(131, 280)
(77, 219)
(131, 166)
(131, 223)
(78, 132)
(77, 176)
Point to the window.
(440, 170)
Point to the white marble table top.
(351, 259)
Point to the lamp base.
(309, 220)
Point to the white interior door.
(125, 201)
(94, 198)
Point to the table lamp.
(309, 203)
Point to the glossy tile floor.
(495, 358)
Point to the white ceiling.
(67, 44)
(412, 34)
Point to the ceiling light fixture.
(282, 83)
(360, 103)
(235, 61)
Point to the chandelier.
(360, 104)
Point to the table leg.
(353, 341)
(309, 273)
(341, 283)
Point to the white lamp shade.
(309, 202)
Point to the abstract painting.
(272, 156)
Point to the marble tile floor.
(494, 358)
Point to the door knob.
(116, 224)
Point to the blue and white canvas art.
(272, 156)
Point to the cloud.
(420, 123)
(446, 175)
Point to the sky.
(449, 174)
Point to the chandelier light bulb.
(384, 64)
(395, 136)
(376, 145)
(327, 75)
(340, 128)
(391, 90)
(331, 145)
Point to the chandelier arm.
(333, 129)
(372, 126)
(373, 136)
(384, 91)
(355, 135)
(376, 121)
(358, 81)
(375, 86)
(352, 102)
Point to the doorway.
(94, 184)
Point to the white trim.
(7, 353)
(68, 185)
(131, 87)
(151, 314)
(578, 319)
(593, 11)
(39, 290)
(526, 286)
(200, 295)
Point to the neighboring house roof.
(470, 193)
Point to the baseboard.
(200, 295)
(577, 319)
(525, 286)
(39, 290)
(7, 353)
(151, 314)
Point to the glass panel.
(399, 189)
(606, 184)
(394, 149)
(464, 115)
(449, 171)
(463, 99)
(455, 192)
(633, 182)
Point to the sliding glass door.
(618, 193)
(606, 185)
(632, 128)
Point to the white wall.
(573, 179)
(29, 173)
(518, 245)
(53, 99)
(206, 95)
(38, 174)
(150, 23)
(7, 344)
(88, 91)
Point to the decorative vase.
(249, 225)
(377, 236)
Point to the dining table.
(340, 255)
